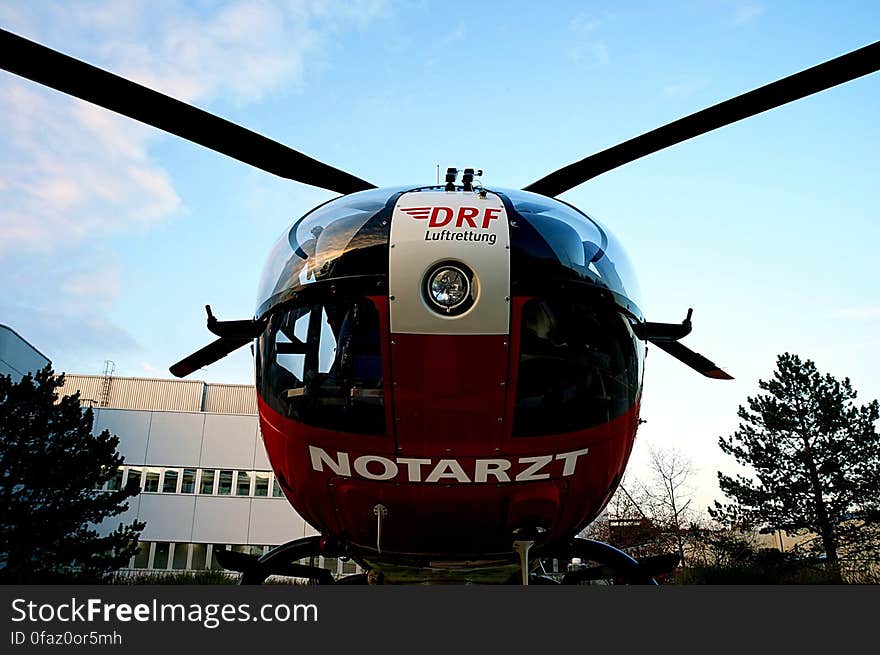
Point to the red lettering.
(489, 215)
(466, 214)
(436, 221)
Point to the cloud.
(454, 35)
(744, 14)
(864, 313)
(600, 51)
(72, 171)
(73, 175)
(587, 43)
(62, 301)
(681, 90)
(151, 370)
(240, 52)
(584, 23)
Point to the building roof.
(161, 394)
(17, 355)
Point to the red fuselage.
(440, 372)
(454, 479)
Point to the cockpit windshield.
(318, 245)
(321, 364)
(560, 240)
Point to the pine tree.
(52, 470)
(816, 462)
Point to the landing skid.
(283, 560)
(611, 564)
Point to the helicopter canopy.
(552, 243)
(347, 236)
(560, 243)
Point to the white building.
(17, 356)
(197, 454)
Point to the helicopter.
(448, 376)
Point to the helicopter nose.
(449, 307)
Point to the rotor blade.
(58, 71)
(214, 351)
(818, 78)
(695, 360)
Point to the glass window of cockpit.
(319, 242)
(321, 364)
(300, 329)
(580, 244)
(579, 366)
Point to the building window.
(243, 484)
(276, 490)
(134, 478)
(207, 482)
(248, 549)
(224, 486)
(261, 488)
(188, 484)
(199, 556)
(142, 556)
(180, 553)
(160, 557)
(169, 482)
(115, 482)
(215, 565)
(151, 480)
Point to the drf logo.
(465, 216)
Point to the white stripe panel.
(428, 227)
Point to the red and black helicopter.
(448, 376)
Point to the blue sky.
(113, 236)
